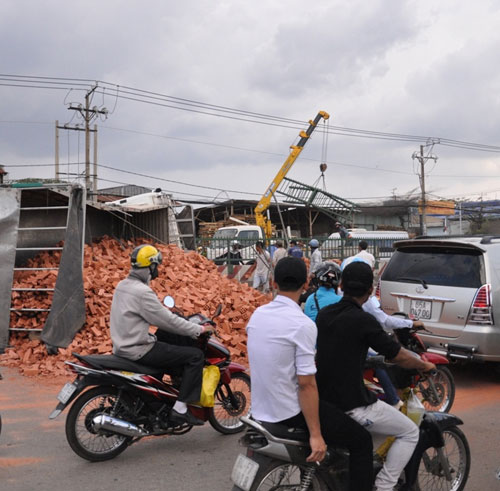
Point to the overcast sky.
(419, 68)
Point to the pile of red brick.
(190, 278)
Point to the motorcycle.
(437, 391)
(127, 401)
(276, 458)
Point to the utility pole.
(89, 114)
(422, 159)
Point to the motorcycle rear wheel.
(444, 384)
(92, 445)
(279, 475)
(456, 451)
(224, 417)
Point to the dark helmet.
(328, 274)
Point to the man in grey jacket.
(134, 309)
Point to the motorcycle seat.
(118, 363)
(283, 431)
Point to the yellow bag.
(211, 376)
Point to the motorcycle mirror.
(218, 311)
(169, 302)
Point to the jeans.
(391, 395)
(261, 280)
(383, 419)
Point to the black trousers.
(340, 430)
(181, 359)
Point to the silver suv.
(453, 285)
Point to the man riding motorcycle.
(134, 309)
(281, 347)
(345, 333)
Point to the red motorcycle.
(437, 390)
(127, 401)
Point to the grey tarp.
(67, 313)
(9, 222)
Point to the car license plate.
(420, 309)
(66, 392)
(244, 471)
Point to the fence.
(223, 252)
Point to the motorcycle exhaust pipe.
(120, 426)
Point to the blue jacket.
(325, 296)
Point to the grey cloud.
(334, 51)
(457, 97)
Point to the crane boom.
(265, 201)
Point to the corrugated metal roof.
(126, 191)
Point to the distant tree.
(475, 214)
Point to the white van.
(246, 235)
(379, 243)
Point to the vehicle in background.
(453, 285)
(246, 235)
(380, 243)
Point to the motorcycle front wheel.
(225, 416)
(87, 442)
(438, 391)
(432, 475)
(279, 475)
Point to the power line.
(155, 98)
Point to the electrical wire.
(144, 96)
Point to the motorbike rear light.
(481, 312)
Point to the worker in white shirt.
(262, 268)
(279, 253)
(364, 254)
(316, 258)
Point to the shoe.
(187, 418)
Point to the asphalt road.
(34, 454)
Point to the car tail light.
(377, 290)
(481, 312)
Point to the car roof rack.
(487, 239)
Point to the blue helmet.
(313, 243)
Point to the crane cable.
(324, 155)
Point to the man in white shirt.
(279, 253)
(316, 258)
(262, 268)
(364, 254)
(388, 322)
(281, 349)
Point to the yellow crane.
(265, 201)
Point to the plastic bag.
(211, 376)
(415, 410)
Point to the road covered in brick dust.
(34, 453)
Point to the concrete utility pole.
(88, 115)
(423, 159)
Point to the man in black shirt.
(345, 332)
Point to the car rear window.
(445, 266)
